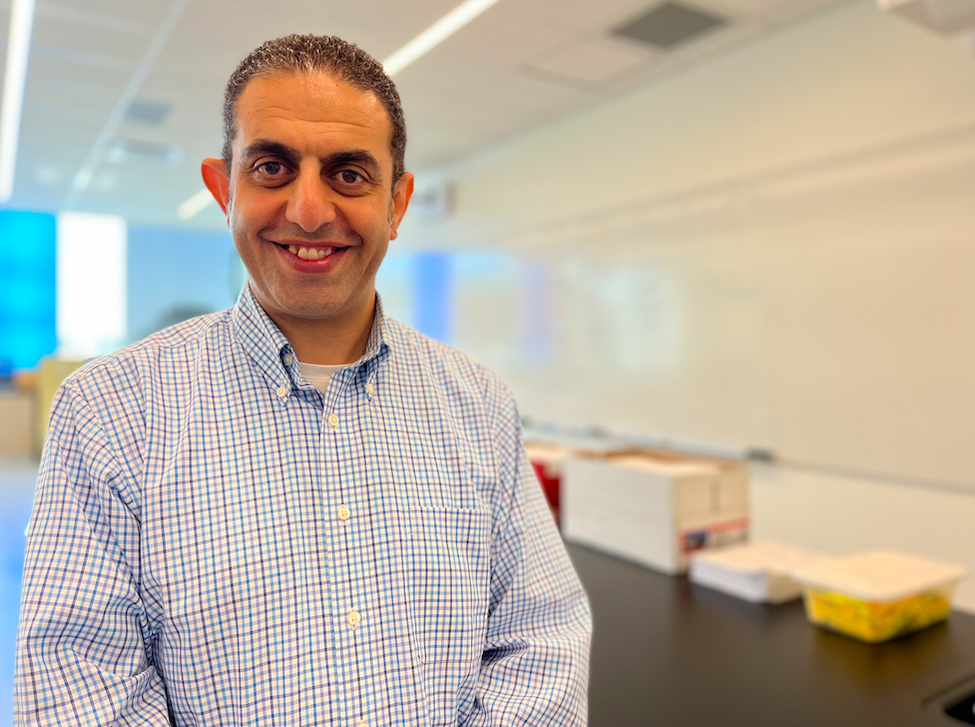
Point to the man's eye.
(350, 177)
(271, 169)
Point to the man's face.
(309, 195)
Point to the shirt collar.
(263, 341)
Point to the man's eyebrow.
(266, 146)
(358, 156)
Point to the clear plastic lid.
(879, 576)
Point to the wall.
(772, 249)
(174, 275)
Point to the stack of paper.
(757, 572)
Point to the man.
(298, 511)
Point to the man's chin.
(317, 310)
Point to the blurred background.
(741, 227)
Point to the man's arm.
(81, 646)
(535, 668)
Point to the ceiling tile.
(592, 62)
(504, 39)
(145, 13)
(92, 19)
(52, 33)
(588, 16)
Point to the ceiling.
(123, 97)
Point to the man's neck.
(329, 341)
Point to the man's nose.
(310, 205)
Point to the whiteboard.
(826, 314)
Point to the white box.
(655, 509)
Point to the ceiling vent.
(670, 24)
(126, 150)
(148, 113)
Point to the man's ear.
(216, 179)
(401, 200)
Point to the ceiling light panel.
(14, 84)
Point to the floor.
(17, 478)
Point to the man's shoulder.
(441, 360)
(182, 338)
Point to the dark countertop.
(668, 652)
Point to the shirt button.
(288, 359)
(353, 618)
(370, 389)
(333, 420)
(363, 724)
(344, 513)
(282, 392)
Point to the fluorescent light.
(195, 204)
(14, 80)
(435, 34)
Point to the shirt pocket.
(448, 581)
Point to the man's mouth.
(309, 253)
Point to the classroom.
(721, 252)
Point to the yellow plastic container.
(878, 595)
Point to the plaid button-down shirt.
(216, 542)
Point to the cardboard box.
(51, 372)
(655, 509)
(16, 423)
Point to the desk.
(668, 652)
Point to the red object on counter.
(550, 486)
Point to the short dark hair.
(327, 54)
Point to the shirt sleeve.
(535, 668)
(82, 649)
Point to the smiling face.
(309, 196)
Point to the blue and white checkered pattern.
(215, 542)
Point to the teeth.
(310, 253)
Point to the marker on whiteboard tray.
(758, 454)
